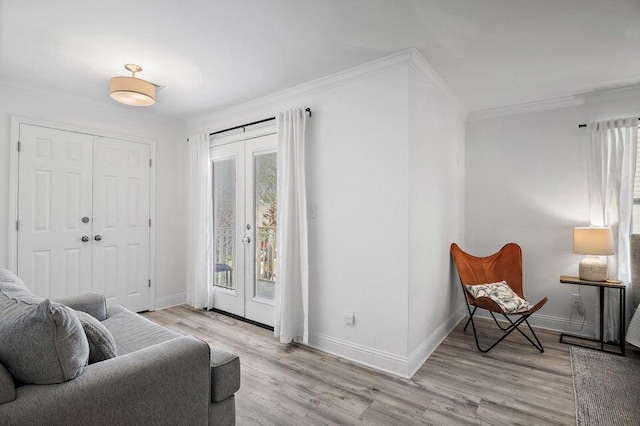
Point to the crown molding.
(563, 102)
(409, 57)
(595, 95)
(613, 93)
(419, 64)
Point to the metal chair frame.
(513, 325)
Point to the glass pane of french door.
(224, 221)
(228, 198)
(261, 217)
(244, 175)
(265, 214)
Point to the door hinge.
(17, 225)
(149, 223)
(149, 283)
(150, 162)
(19, 146)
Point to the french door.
(83, 216)
(244, 188)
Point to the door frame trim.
(16, 121)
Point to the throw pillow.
(14, 288)
(502, 294)
(101, 343)
(42, 342)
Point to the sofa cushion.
(225, 374)
(132, 332)
(101, 343)
(7, 386)
(42, 342)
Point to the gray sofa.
(158, 377)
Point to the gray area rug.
(607, 387)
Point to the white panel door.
(54, 196)
(120, 240)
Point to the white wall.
(357, 175)
(361, 177)
(436, 215)
(526, 182)
(170, 225)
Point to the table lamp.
(593, 242)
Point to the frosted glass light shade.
(593, 241)
(132, 91)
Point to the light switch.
(349, 317)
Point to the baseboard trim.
(424, 351)
(360, 354)
(169, 301)
(562, 325)
(387, 362)
(548, 322)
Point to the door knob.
(98, 238)
(246, 240)
(84, 239)
(85, 219)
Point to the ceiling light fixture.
(132, 90)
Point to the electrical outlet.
(349, 317)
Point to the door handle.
(246, 240)
(84, 239)
(98, 238)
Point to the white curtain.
(292, 270)
(612, 163)
(200, 225)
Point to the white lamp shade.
(132, 91)
(593, 241)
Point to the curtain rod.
(242, 126)
(580, 126)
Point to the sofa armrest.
(225, 374)
(95, 304)
(167, 383)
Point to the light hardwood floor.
(297, 385)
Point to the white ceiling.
(211, 54)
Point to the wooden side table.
(564, 279)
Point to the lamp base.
(592, 268)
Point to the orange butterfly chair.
(505, 265)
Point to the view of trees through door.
(265, 220)
(266, 224)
